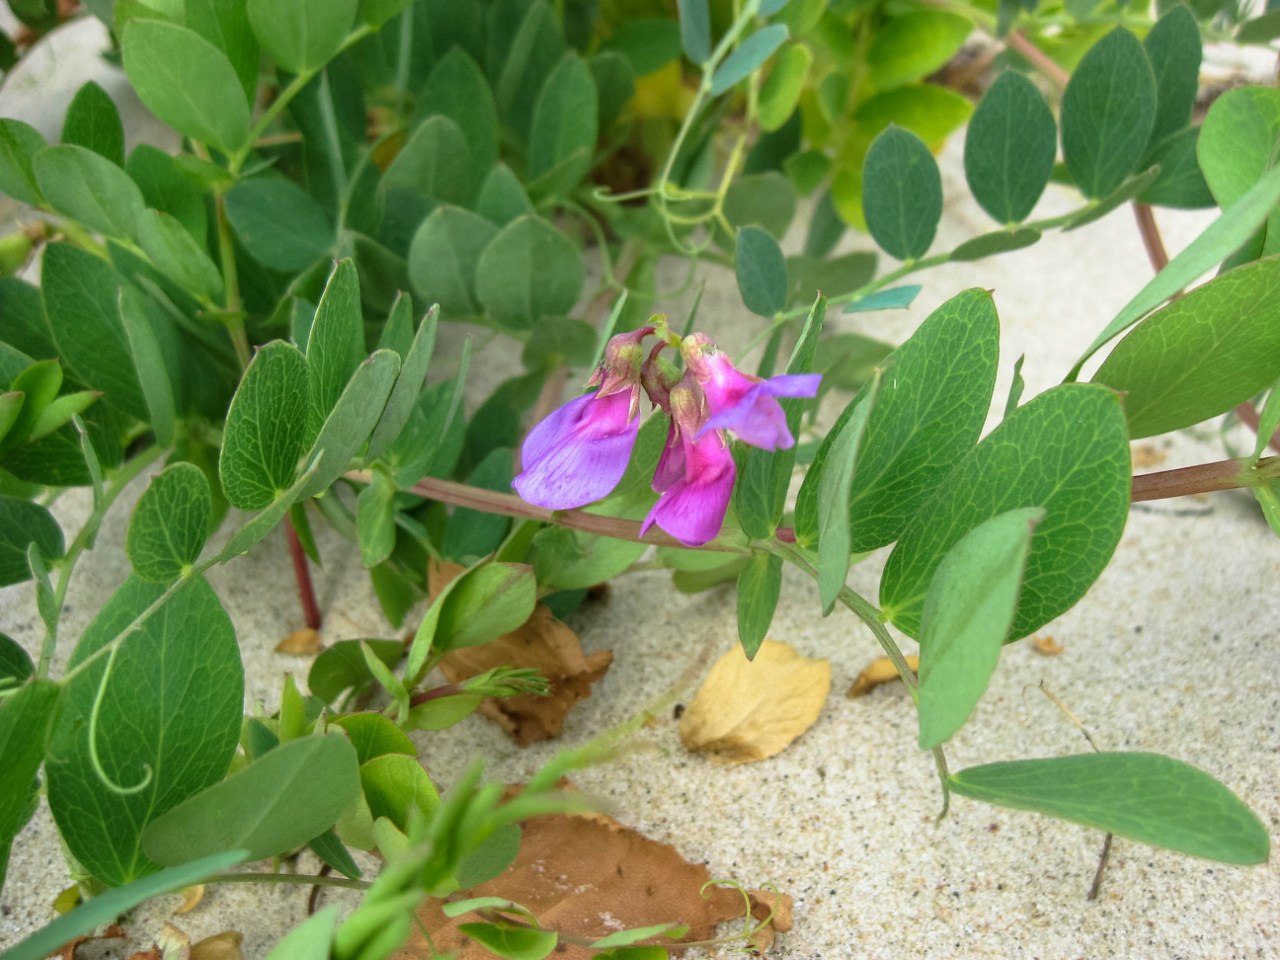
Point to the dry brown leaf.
(220, 946)
(112, 932)
(544, 644)
(191, 898)
(748, 710)
(304, 642)
(1047, 646)
(589, 876)
(878, 671)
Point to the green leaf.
(170, 524)
(501, 198)
(110, 905)
(435, 164)
(266, 427)
(1238, 141)
(762, 271)
(395, 784)
(177, 255)
(1174, 50)
(1096, 210)
(226, 26)
(648, 44)
(301, 35)
(535, 50)
(809, 276)
(409, 384)
(457, 89)
(1261, 29)
(834, 492)
(89, 188)
(351, 422)
(967, 615)
(491, 858)
(374, 734)
(625, 938)
(782, 88)
(377, 12)
(280, 224)
(763, 199)
(1201, 355)
(166, 188)
(615, 85)
(1009, 148)
(335, 345)
(444, 256)
(530, 270)
(24, 725)
(912, 46)
(35, 388)
(511, 943)
(1066, 451)
(23, 523)
(15, 662)
(1108, 111)
(895, 298)
(274, 805)
(169, 718)
(563, 137)
(901, 193)
(187, 82)
(937, 389)
(565, 559)
(19, 144)
(93, 122)
(342, 667)
(695, 30)
(1143, 796)
(1181, 183)
(148, 360)
(470, 534)
(998, 241)
(376, 520)
(759, 586)
(749, 56)
(309, 940)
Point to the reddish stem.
(1150, 236)
(1248, 415)
(302, 574)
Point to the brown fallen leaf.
(544, 644)
(191, 897)
(302, 642)
(588, 876)
(220, 946)
(68, 950)
(1047, 646)
(747, 710)
(878, 671)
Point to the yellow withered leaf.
(748, 710)
(878, 671)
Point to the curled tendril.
(749, 930)
(96, 761)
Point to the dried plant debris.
(1047, 646)
(878, 671)
(748, 710)
(304, 642)
(544, 644)
(112, 932)
(173, 943)
(589, 876)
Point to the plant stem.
(1156, 253)
(231, 283)
(1204, 478)
(302, 574)
(300, 879)
(1037, 58)
(1248, 415)
(127, 473)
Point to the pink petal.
(578, 453)
(693, 509)
(671, 464)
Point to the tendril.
(94, 759)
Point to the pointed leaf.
(24, 727)
(761, 270)
(91, 189)
(148, 360)
(19, 144)
(1173, 46)
(352, 420)
(564, 125)
(1009, 148)
(93, 122)
(759, 586)
(901, 194)
(280, 224)
(457, 89)
(695, 30)
(335, 345)
(748, 57)
(301, 35)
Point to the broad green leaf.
(409, 384)
(615, 86)
(266, 427)
(490, 858)
(749, 56)
(934, 398)
(511, 943)
(763, 199)
(15, 662)
(19, 144)
(444, 256)
(782, 88)
(765, 475)
(1238, 142)
(166, 188)
(377, 12)
(108, 906)
(1009, 148)
(571, 560)
(170, 524)
(625, 938)
(530, 270)
(175, 253)
(89, 188)
(1261, 29)
(261, 524)
(901, 194)
(376, 520)
(967, 615)
(648, 44)
(169, 719)
(912, 46)
(374, 734)
(834, 483)
(93, 122)
(998, 241)
(502, 198)
(809, 276)
(435, 164)
(309, 940)
(351, 422)
(457, 89)
(395, 784)
(1201, 355)
(895, 298)
(279, 224)
(1108, 111)
(187, 82)
(1219, 240)
(695, 30)
(225, 24)
(335, 345)
(476, 607)
(433, 439)
(301, 35)
(24, 725)
(342, 667)
(761, 270)
(1173, 47)
(563, 137)
(759, 586)
(1143, 796)
(274, 805)
(1181, 183)
(148, 361)
(1067, 451)
(535, 50)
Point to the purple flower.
(695, 478)
(579, 452)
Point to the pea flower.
(741, 403)
(578, 453)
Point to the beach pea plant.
(249, 322)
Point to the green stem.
(80, 544)
(234, 318)
(300, 879)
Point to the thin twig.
(1156, 253)
(1037, 58)
(302, 574)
